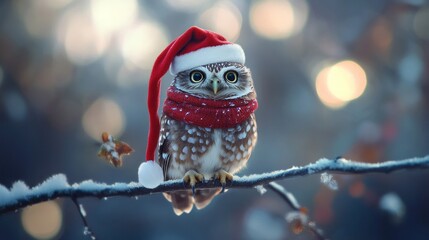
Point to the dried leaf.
(123, 148)
(297, 226)
(297, 220)
(113, 150)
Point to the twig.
(86, 230)
(293, 203)
(11, 202)
(283, 193)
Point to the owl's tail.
(183, 201)
(203, 197)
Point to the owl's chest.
(205, 150)
(210, 161)
(196, 148)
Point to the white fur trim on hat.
(150, 174)
(207, 55)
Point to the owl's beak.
(215, 85)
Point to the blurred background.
(334, 78)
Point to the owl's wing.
(164, 156)
(181, 200)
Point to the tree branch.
(290, 199)
(20, 196)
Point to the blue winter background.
(334, 78)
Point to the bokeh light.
(142, 43)
(346, 80)
(421, 23)
(338, 84)
(301, 11)
(323, 92)
(411, 68)
(111, 15)
(43, 220)
(381, 36)
(104, 115)
(82, 41)
(224, 18)
(37, 16)
(357, 189)
(277, 19)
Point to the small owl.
(195, 153)
(207, 129)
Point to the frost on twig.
(55, 187)
(261, 190)
(82, 210)
(329, 181)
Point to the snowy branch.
(20, 195)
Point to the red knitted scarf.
(205, 112)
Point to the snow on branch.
(20, 195)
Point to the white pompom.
(150, 174)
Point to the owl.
(226, 96)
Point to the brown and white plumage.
(185, 148)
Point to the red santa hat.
(195, 47)
(198, 47)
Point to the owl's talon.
(223, 188)
(192, 177)
(223, 176)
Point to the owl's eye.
(231, 76)
(197, 76)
